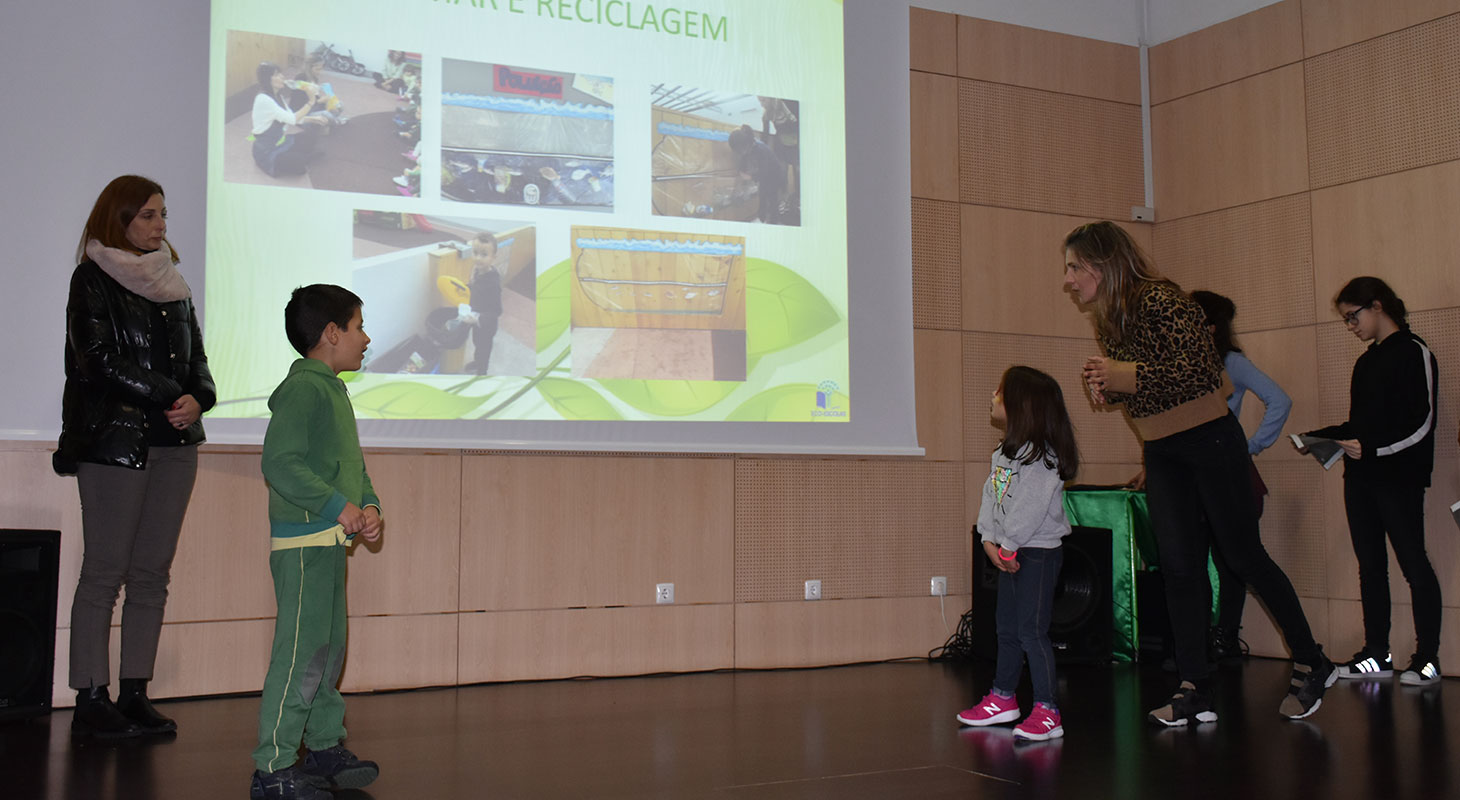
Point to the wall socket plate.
(813, 590)
(939, 586)
(663, 593)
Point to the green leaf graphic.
(409, 400)
(575, 401)
(553, 309)
(670, 398)
(781, 308)
(792, 402)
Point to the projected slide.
(571, 210)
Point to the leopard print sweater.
(1178, 371)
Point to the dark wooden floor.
(872, 731)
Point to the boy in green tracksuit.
(320, 498)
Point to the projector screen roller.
(592, 224)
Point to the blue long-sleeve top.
(1246, 377)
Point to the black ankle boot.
(1224, 647)
(133, 703)
(96, 716)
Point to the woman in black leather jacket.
(137, 384)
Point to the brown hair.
(114, 210)
(1034, 407)
(1124, 271)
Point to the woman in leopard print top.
(1161, 364)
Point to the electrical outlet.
(663, 593)
(940, 586)
(813, 590)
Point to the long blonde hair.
(1124, 269)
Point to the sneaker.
(338, 768)
(991, 710)
(285, 784)
(1186, 706)
(1364, 665)
(1306, 693)
(1422, 671)
(1042, 723)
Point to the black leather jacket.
(111, 380)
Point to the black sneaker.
(1186, 706)
(1422, 671)
(286, 784)
(339, 768)
(1364, 665)
(1305, 695)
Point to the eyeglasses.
(1352, 317)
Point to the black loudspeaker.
(29, 563)
(1083, 620)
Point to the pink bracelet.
(1013, 554)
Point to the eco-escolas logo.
(826, 405)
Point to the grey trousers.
(130, 522)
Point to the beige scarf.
(152, 275)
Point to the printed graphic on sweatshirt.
(1001, 479)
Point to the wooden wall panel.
(1042, 151)
(934, 132)
(1103, 434)
(1238, 143)
(1331, 24)
(36, 497)
(939, 378)
(874, 528)
(1056, 62)
(221, 570)
(572, 642)
(1290, 357)
(193, 658)
(936, 268)
(1264, 39)
(557, 532)
(1386, 105)
(1260, 255)
(932, 41)
(1398, 227)
(1263, 637)
(816, 633)
(1013, 272)
(1293, 527)
(400, 651)
(414, 568)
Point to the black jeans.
(1026, 600)
(1400, 511)
(1205, 471)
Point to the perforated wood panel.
(1041, 151)
(863, 528)
(936, 269)
(1292, 523)
(1103, 435)
(1338, 349)
(1260, 255)
(1388, 104)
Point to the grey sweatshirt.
(1023, 504)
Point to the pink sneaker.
(991, 710)
(1042, 723)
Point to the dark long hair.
(1035, 408)
(1365, 291)
(114, 210)
(1124, 269)
(265, 75)
(1220, 312)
